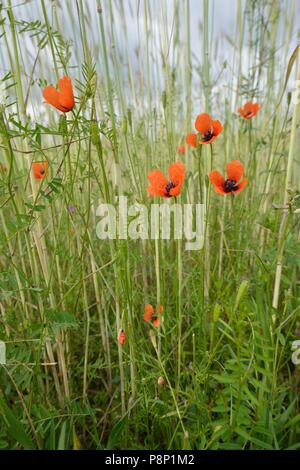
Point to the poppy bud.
(122, 337)
(161, 381)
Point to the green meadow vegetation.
(83, 368)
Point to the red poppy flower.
(159, 184)
(181, 149)
(62, 100)
(249, 109)
(122, 337)
(40, 170)
(151, 316)
(208, 130)
(234, 182)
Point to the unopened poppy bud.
(161, 381)
(289, 97)
(122, 337)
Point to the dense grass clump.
(208, 364)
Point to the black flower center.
(230, 185)
(207, 136)
(169, 186)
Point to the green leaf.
(15, 428)
(62, 437)
(116, 432)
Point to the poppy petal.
(217, 128)
(40, 170)
(65, 84)
(220, 190)
(191, 139)
(158, 183)
(156, 322)
(235, 170)
(203, 123)
(248, 106)
(149, 311)
(241, 186)
(176, 173)
(175, 191)
(51, 95)
(66, 98)
(216, 179)
(122, 337)
(249, 109)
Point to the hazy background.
(167, 40)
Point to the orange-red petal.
(175, 191)
(217, 128)
(235, 170)
(158, 183)
(156, 322)
(122, 337)
(241, 185)
(66, 97)
(148, 312)
(62, 100)
(220, 190)
(40, 170)
(51, 95)
(203, 123)
(249, 109)
(176, 173)
(191, 140)
(216, 179)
